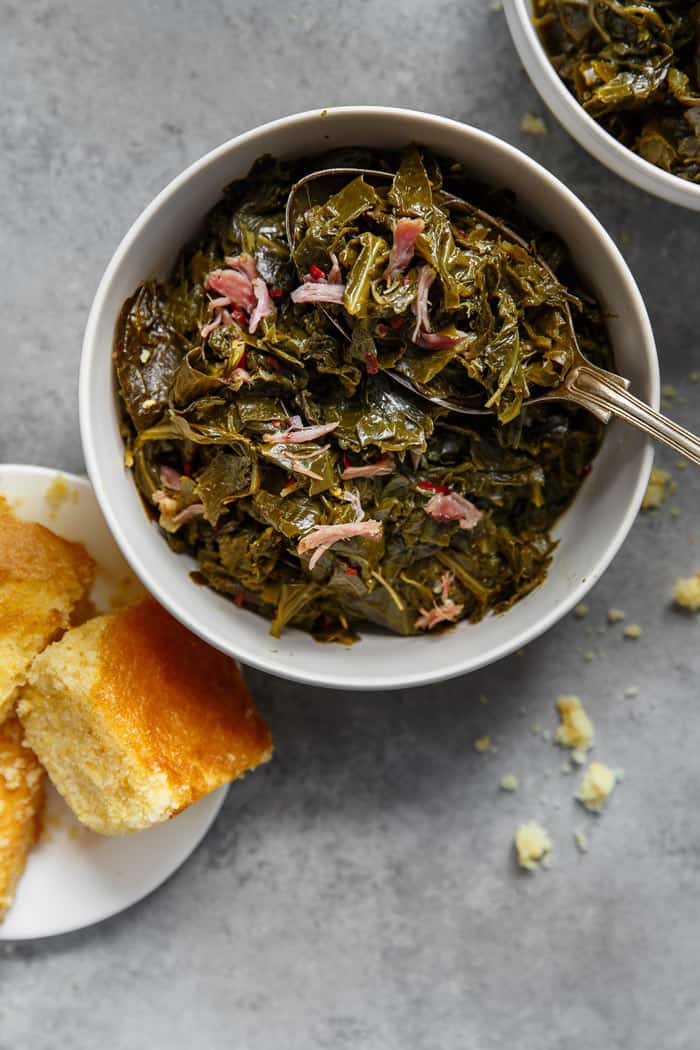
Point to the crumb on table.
(575, 729)
(596, 787)
(686, 592)
(533, 846)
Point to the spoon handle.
(593, 389)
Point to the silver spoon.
(603, 393)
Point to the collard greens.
(635, 67)
(308, 484)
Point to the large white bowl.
(588, 132)
(591, 531)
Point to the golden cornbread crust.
(135, 718)
(21, 803)
(42, 577)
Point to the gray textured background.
(360, 892)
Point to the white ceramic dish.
(589, 534)
(74, 877)
(587, 132)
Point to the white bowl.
(590, 532)
(588, 132)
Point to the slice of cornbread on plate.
(42, 578)
(21, 804)
(134, 718)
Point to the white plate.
(74, 877)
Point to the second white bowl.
(588, 132)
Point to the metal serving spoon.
(603, 393)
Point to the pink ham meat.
(402, 249)
(264, 305)
(170, 478)
(318, 292)
(296, 434)
(320, 539)
(234, 286)
(378, 469)
(450, 506)
(437, 340)
(195, 510)
(245, 264)
(334, 274)
(238, 377)
(446, 612)
(426, 276)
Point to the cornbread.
(42, 577)
(659, 487)
(134, 718)
(596, 787)
(575, 728)
(686, 592)
(21, 802)
(533, 846)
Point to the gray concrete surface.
(361, 892)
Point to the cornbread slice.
(134, 718)
(21, 803)
(42, 577)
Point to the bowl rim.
(276, 665)
(581, 126)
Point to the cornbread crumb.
(134, 719)
(658, 489)
(149, 403)
(589, 655)
(58, 493)
(533, 125)
(575, 729)
(675, 512)
(42, 578)
(581, 611)
(533, 846)
(615, 615)
(581, 840)
(597, 784)
(566, 767)
(686, 592)
(145, 356)
(669, 391)
(694, 377)
(546, 736)
(510, 782)
(633, 631)
(482, 744)
(681, 464)
(21, 803)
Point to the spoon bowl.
(605, 394)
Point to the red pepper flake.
(244, 359)
(289, 484)
(429, 487)
(349, 571)
(316, 273)
(395, 322)
(187, 470)
(239, 599)
(587, 469)
(273, 363)
(276, 293)
(381, 330)
(371, 363)
(346, 460)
